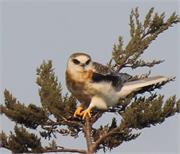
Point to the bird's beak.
(83, 65)
(87, 67)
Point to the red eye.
(75, 61)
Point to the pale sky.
(36, 30)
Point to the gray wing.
(105, 74)
(101, 69)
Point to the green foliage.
(118, 134)
(21, 141)
(54, 116)
(142, 34)
(56, 111)
(144, 112)
(30, 116)
(50, 93)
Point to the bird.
(95, 85)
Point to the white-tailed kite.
(96, 86)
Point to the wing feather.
(101, 69)
(103, 73)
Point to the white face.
(79, 63)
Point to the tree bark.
(88, 135)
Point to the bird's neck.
(79, 76)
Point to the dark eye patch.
(87, 62)
(75, 61)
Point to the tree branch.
(142, 37)
(96, 116)
(63, 149)
(64, 121)
(100, 140)
(88, 135)
(142, 63)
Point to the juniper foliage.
(54, 117)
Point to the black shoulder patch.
(115, 80)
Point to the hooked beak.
(83, 65)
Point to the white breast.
(105, 94)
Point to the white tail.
(132, 86)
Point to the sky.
(37, 30)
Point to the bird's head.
(79, 62)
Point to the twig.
(100, 140)
(63, 149)
(97, 116)
(65, 121)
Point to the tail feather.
(132, 86)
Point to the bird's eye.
(88, 62)
(75, 61)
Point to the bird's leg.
(78, 111)
(86, 112)
(94, 101)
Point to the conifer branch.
(142, 34)
(64, 149)
(104, 136)
(142, 63)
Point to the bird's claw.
(86, 113)
(78, 111)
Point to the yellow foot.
(85, 113)
(78, 111)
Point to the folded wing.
(137, 85)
